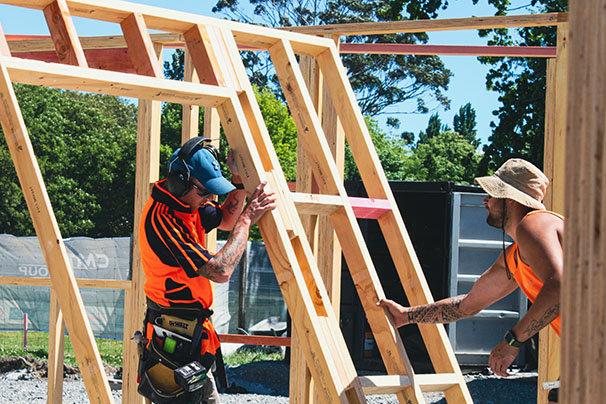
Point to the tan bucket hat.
(519, 180)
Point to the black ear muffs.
(178, 181)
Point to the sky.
(466, 85)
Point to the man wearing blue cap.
(180, 341)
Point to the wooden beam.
(64, 34)
(264, 340)
(56, 339)
(43, 43)
(53, 248)
(82, 283)
(113, 83)
(455, 50)
(392, 384)
(584, 284)
(140, 46)
(554, 168)
(179, 22)
(203, 57)
(147, 171)
(117, 60)
(4, 49)
(411, 26)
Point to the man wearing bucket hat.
(179, 343)
(533, 263)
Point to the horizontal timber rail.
(452, 24)
(113, 83)
(82, 283)
(31, 47)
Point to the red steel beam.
(460, 50)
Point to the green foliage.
(85, 145)
(378, 80)
(445, 157)
(464, 123)
(520, 82)
(11, 345)
(248, 354)
(392, 152)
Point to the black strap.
(154, 310)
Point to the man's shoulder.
(538, 223)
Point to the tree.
(434, 128)
(464, 123)
(85, 146)
(392, 152)
(445, 157)
(520, 82)
(378, 80)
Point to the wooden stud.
(191, 113)
(64, 34)
(4, 49)
(56, 338)
(140, 46)
(147, 171)
(554, 167)
(203, 57)
(51, 242)
(583, 287)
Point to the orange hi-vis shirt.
(172, 249)
(525, 277)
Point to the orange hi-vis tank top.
(525, 277)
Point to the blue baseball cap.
(203, 166)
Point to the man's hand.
(397, 311)
(501, 358)
(260, 201)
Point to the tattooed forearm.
(231, 205)
(443, 311)
(224, 263)
(537, 325)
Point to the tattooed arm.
(232, 207)
(222, 265)
(490, 287)
(539, 237)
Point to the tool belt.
(173, 339)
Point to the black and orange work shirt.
(172, 249)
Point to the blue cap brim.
(218, 186)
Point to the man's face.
(197, 196)
(494, 206)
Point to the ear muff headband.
(178, 181)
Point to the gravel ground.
(267, 383)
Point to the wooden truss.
(221, 85)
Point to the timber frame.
(222, 87)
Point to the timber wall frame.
(211, 97)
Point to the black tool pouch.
(159, 359)
(157, 376)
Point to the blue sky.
(467, 84)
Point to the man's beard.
(495, 221)
(497, 218)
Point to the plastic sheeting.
(109, 258)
